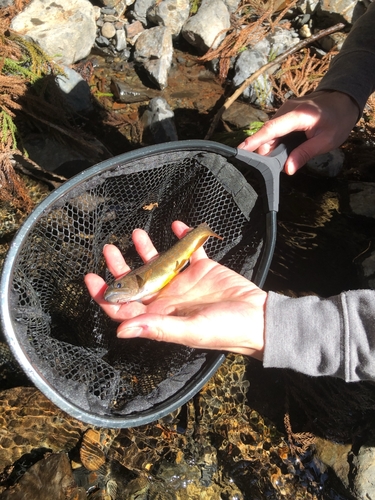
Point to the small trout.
(158, 272)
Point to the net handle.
(270, 166)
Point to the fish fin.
(140, 281)
(180, 265)
(146, 277)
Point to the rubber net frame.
(63, 331)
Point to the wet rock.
(362, 198)
(76, 89)
(335, 456)
(127, 93)
(49, 478)
(202, 30)
(241, 115)
(328, 164)
(170, 13)
(65, 30)
(364, 480)
(154, 51)
(158, 120)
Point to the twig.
(265, 67)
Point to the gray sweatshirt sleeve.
(316, 336)
(352, 71)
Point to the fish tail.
(206, 227)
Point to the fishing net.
(63, 339)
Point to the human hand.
(326, 117)
(206, 306)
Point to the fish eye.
(118, 285)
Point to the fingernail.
(131, 331)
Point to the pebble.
(108, 30)
(120, 40)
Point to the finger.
(160, 328)
(115, 261)
(301, 119)
(118, 312)
(96, 287)
(303, 153)
(144, 245)
(180, 229)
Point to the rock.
(241, 115)
(65, 30)
(328, 164)
(158, 120)
(364, 480)
(76, 90)
(5, 3)
(280, 40)
(140, 10)
(110, 3)
(362, 198)
(344, 8)
(51, 477)
(120, 40)
(256, 56)
(133, 30)
(334, 455)
(129, 93)
(308, 6)
(170, 13)
(154, 51)
(108, 30)
(246, 64)
(205, 29)
(232, 5)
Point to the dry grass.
(251, 23)
(299, 74)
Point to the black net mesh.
(66, 336)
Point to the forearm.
(352, 71)
(316, 336)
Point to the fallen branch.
(266, 67)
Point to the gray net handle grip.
(270, 166)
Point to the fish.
(158, 272)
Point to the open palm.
(205, 306)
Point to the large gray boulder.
(154, 51)
(207, 27)
(64, 30)
(170, 13)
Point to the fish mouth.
(116, 298)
